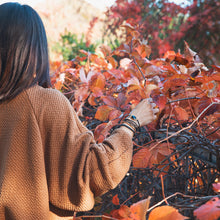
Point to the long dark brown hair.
(24, 58)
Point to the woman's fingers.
(156, 110)
(153, 104)
(150, 100)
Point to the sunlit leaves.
(136, 211)
(154, 154)
(111, 83)
(102, 112)
(166, 213)
(139, 209)
(181, 113)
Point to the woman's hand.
(145, 111)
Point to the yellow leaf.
(139, 209)
(166, 213)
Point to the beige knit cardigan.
(50, 164)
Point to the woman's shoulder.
(47, 98)
(41, 94)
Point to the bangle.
(131, 119)
(127, 126)
(130, 125)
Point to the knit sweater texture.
(50, 164)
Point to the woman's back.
(49, 158)
(23, 186)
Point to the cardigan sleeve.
(77, 168)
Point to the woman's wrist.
(127, 130)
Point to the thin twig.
(177, 100)
(186, 128)
(178, 193)
(161, 177)
(140, 71)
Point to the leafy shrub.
(70, 45)
(177, 155)
(165, 25)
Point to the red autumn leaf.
(159, 99)
(128, 26)
(98, 61)
(102, 131)
(115, 115)
(98, 81)
(115, 200)
(216, 67)
(102, 112)
(203, 103)
(142, 158)
(181, 114)
(98, 130)
(209, 211)
(189, 53)
(148, 157)
(139, 209)
(113, 62)
(165, 213)
(122, 213)
(163, 148)
(110, 101)
(91, 100)
(216, 187)
(121, 100)
(170, 55)
(58, 85)
(81, 94)
(173, 83)
(143, 50)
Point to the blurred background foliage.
(166, 25)
(70, 45)
(75, 24)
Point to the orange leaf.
(170, 55)
(115, 200)
(165, 148)
(166, 213)
(209, 211)
(58, 85)
(205, 102)
(92, 99)
(143, 158)
(122, 213)
(139, 209)
(115, 115)
(110, 101)
(113, 62)
(147, 158)
(102, 112)
(181, 113)
(98, 131)
(98, 81)
(159, 99)
(144, 50)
